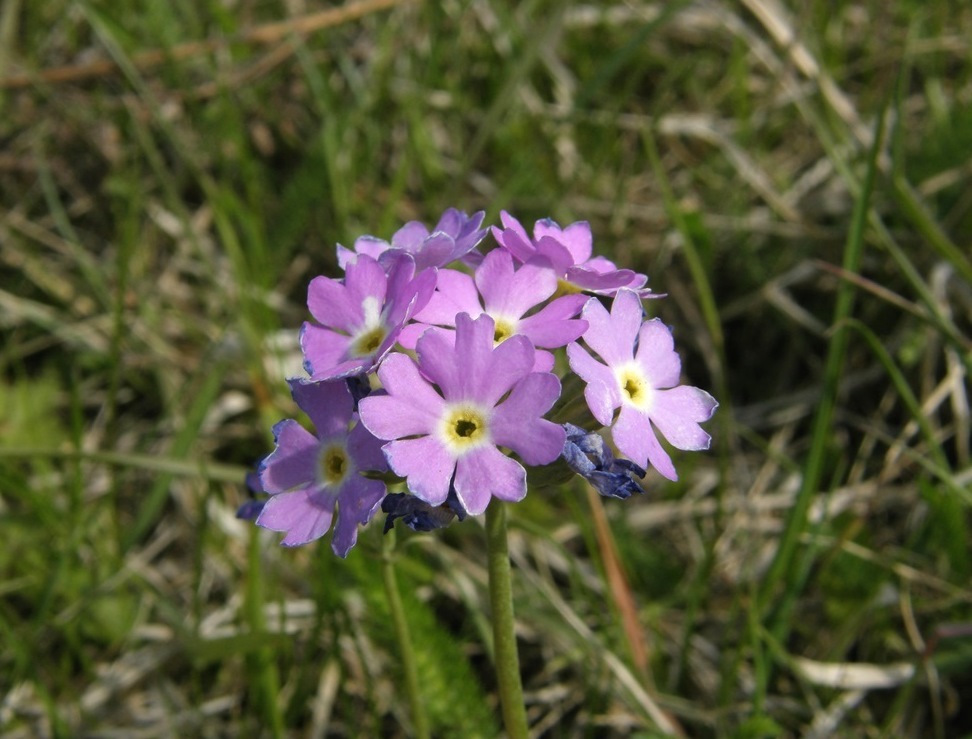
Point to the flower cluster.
(431, 373)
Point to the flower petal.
(487, 472)
(426, 465)
(635, 438)
(411, 406)
(556, 253)
(365, 278)
(517, 422)
(677, 414)
(437, 361)
(293, 461)
(555, 324)
(364, 448)
(454, 293)
(410, 334)
(656, 354)
(499, 370)
(323, 349)
(513, 238)
(435, 251)
(509, 293)
(613, 336)
(576, 238)
(359, 500)
(304, 514)
(602, 392)
(328, 404)
(603, 282)
(331, 305)
(543, 361)
(465, 365)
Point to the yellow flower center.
(333, 465)
(368, 342)
(464, 427)
(635, 388)
(565, 288)
(502, 330)
(373, 331)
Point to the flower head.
(640, 374)
(568, 250)
(446, 416)
(308, 475)
(453, 237)
(360, 316)
(508, 294)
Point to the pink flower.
(453, 237)
(360, 316)
(508, 296)
(569, 252)
(640, 374)
(446, 416)
(308, 475)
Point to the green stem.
(404, 637)
(505, 655)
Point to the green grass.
(160, 219)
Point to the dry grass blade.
(266, 34)
(850, 676)
(619, 586)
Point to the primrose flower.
(446, 416)
(454, 237)
(360, 316)
(640, 374)
(569, 252)
(308, 475)
(508, 295)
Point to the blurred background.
(794, 177)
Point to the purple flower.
(641, 376)
(360, 316)
(307, 476)
(508, 295)
(454, 237)
(569, 252)
(446, 416)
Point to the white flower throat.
(464, 427)
(635, 388)
(372, 332)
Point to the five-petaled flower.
(508, 294)
(361, 316)
(641, 375)
(309, 475)
(446, 416)
(568, 250)
(453, 238)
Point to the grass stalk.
(403, 636)
(781, 568)
(264, 679)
